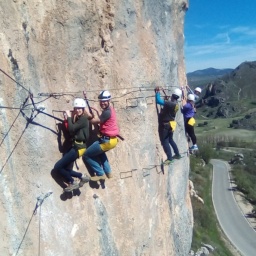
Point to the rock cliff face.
(54, 50)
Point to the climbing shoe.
(109, 175)
(84, 179)
(168, 162)
(71, 187)
(194, 147)
(97, 178)
(177, 157)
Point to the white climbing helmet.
(191, 97)
(198, 89)
(177, 92)
(79, 103)
(104, 96)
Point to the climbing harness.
(173, 125)
(192, 121)
(112, 142)
(80, 147)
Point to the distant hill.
(210, 72)
(204, 76)
(232, 95)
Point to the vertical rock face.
(54, 50)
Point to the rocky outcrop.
(50, 52)
(231, 95)
(248, 122)
(237, 159)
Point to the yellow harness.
(173, 125)
(110, 144)
(80, 151)
(192, 121)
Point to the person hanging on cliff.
(78, 127)
(197, 92)
(189, 120)
(95, 155)
(167, 123)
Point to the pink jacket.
(110, 128)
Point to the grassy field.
(219, 128)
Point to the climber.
(199, 102)
(197, 91)
(95, 155)
(189, 112)
(167, 124)
(78, 127)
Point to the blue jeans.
(64, 162)
(97, 158)
(166, 138)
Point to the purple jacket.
(188, 110)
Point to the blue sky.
(219, 33)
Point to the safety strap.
(192, 121)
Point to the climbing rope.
(14, 80)
(13, 149)
(9, 129)
(57, 95)
(39, 202)
(133, 90)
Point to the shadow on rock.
(68, 195)
(102, 184)
(94, 184)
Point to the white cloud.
(222, 36)
(224, 50)
(244, 31)
(218, 56)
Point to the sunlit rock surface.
(54, 50)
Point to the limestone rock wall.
(54, 50)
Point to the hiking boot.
(109, 175)
(97, 178)
(84, 179)
(177, 157)
(71, 187)
(168, 162)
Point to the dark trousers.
(166, 138)
(190, 131)
(63, 166)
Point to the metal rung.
(146, 171)
(131, 103)
(125, 175)
(150, 100)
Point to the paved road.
(231, 219)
